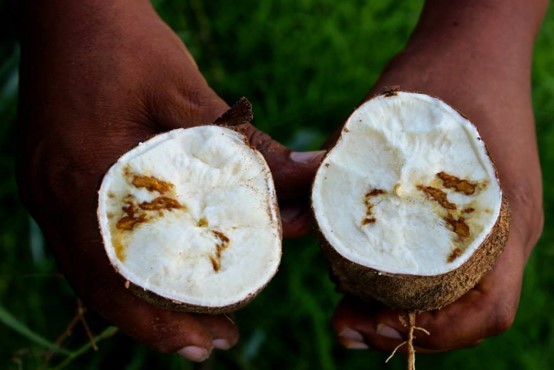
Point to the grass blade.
(10, 321)
(108, 332)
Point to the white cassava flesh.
(190, 219)
(408, 203)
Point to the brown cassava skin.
(415, 292)
(168, 304)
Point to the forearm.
(491, 38)
(48, 24)
(510, 24)
(495, 39)
(476, 55)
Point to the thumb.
(293, 172)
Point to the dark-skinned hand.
(97, 78)
(477, 58)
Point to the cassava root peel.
(190, 219)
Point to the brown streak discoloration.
(219, 248)
(458, 226)
(128, 223)
(160, 203)
(369, 219)
(151, 183)
(456, 252)
(437, 195)
(457, 184)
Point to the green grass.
(304, 65)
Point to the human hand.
(97, 78)
(469, 56)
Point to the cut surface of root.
(408, 205)
(190, 218)
(405, 168)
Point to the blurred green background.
(305, 65)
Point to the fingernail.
(352, 339)
(388, 332)
(307, 157)
(356, 345)
(289, 214)
(221, 344)
(351, 335)
(193, 353)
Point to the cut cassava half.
(408, 203)
(190, 220)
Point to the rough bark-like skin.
(168, 304)
(416, 292)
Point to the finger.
(104, 291)
(296, 219)
(292, 172)
(382, 329)
(484, 311)
(222, 329)
(191, 335)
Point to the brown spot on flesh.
(119, 249)
(219, 248)
(374, 192)
(368, 218)
(456, 252)
(216, 263)
(132, 217)
(128, 223)
(151, 183)
(221, 236)
(457, 184)
(202, 222)
(160, 203)
(459, 227)
(469, 210)
(437, 195)
(367, 221)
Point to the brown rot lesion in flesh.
(151, 184)
(222, 243)
(438, 196)
(458, 185)
(456, 252)
(455, 216)
(368, 201)
(135, 213)
(132, 215)
(458, 226)
(161, 203)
